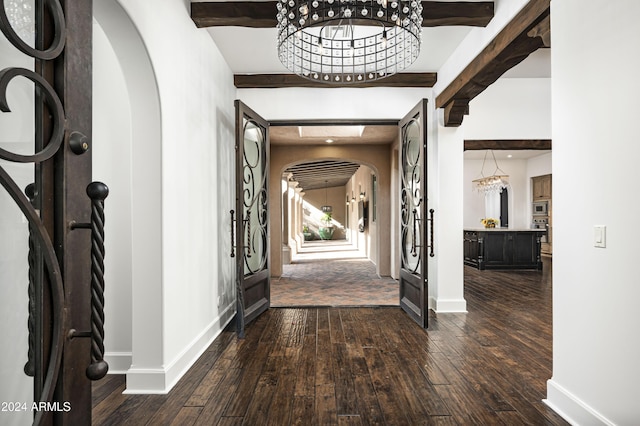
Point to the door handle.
(233, 240)
(248, 233)
(413, 234)
(431, 246)
(97, 192)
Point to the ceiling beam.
(262, 81)
(509, 144)
(263, 14)
(527, 32)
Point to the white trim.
(571, 408)
(161, 380)
(119, 362)
(443, 306)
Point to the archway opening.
(331, 219)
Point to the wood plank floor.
(368, 366)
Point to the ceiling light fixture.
(345, 42)
(329, 141)
(495, 182)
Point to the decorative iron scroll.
(255, 197)
(59, 35)
(41, 237)
(41, 249)
(411, 198)
(55, 107)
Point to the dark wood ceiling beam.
(507, 144)
(271, 81)
(263, 14)
(526, 33)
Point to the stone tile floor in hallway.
(332, 273)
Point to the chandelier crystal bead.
(495, 182)
(350, 41)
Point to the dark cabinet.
(498, 249)
(471, 248)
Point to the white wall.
(333, 103)
(511, 108)
(539, 165)
(187, 296)
(111, 156)
(595, 175)
(445, 174)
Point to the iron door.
(413, 215)
(252, 221)
(51, 215)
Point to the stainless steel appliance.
(541, 222)
(540, 208)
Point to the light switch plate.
(600, 236)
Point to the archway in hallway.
(353, 268)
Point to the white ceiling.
(253, 50)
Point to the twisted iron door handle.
(248, 233)
(97, 192)
(233, 242)
(413, 234)
(29, 367)
(431, 251)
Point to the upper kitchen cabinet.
(541, 187)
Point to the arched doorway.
(126, 131)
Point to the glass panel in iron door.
(252, 223)
(413, 223)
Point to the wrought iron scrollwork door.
(51, 215)
(252, 222)
(413, 215)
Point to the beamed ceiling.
(245, 35)
(329, 173)
(322, 174)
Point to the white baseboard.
(443, 306)
(119, 362)
(571, 408)
(161, 380)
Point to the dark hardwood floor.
(368, 366)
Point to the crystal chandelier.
(348, 41)
(495, 182)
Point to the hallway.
(366, 366)
(332, 273)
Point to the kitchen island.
(503, 248)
